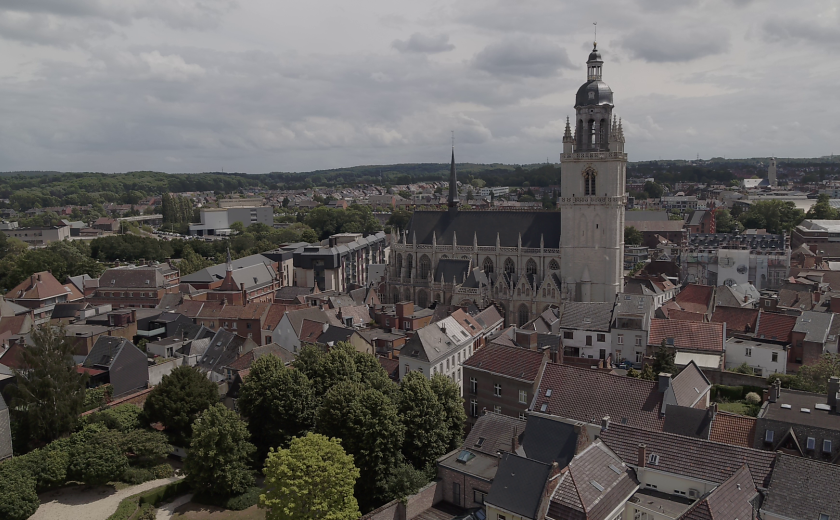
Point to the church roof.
(485, 226)
(449, 268)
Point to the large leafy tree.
(368, 424)
(822, 210)
(632, 236)
(426, 431)
(178, 399)
(48, 393)
(311, 480)
(663, 361)
(776, 216)
(96, 456)
(448, 394)
(220, 454)
(278, 402)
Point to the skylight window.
(826, 446)
(597, 486)
(548, 393)
(465, 456)
(786, 406)
(617, 471)
(768, 436)
(811, 443)
(653, 458)
(479, 442)
(544, 407)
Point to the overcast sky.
(267, 85)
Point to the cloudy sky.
(262, 85)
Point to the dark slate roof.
(694, 458)
(494, 432)
(335, 334)
(104, 351)
(587, 316)
(642, 216)
(67, 310)
(814, 325)
(290, 292)
(217, 272)
(485, 225)
(690, 422)
(223, 350)
(519, 485)
(449, 268)
(548, 440)
(803, 488)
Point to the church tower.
(592, 194)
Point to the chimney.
(642, 456)
(833, 389)
(39, 277)
(605, 423)
(582, 438)
(775, 391)
(514, 441)
(664, 382)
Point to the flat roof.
(662, 503)
(794, 414)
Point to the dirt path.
(83, 503)
(165, 511)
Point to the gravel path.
(82, 503)
(165, 511)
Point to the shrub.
(48, 465)
(18, 499)
(728, 393)
(162, 494)
(125, 417)
(146, 512)
(235, 503)
(137, 475)
(148, 501)
(753, 398)
(163, 471)
(96, 456)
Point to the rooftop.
(803, 488)
(688, 335)
(791, 407)
(514, 362)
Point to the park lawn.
(739, 407)
(192, 511)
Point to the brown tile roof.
(497, 432)
(189, 308)
(775, 326)
(731, 500)
(679, 314)
(688, 456)
(690, 385)
(310, 331)
(583, 394)
(73, 292)
(15, 324)
(39, 286)
(669, 307)
(730, 428)
(251, 311)
(695, 298)
(736, 319)
(473, 327)
(514, 362)
(275, 314)
(392, 366)
(688, 335)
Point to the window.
(588, 341)
(488, 265)
(473, 385)
(497, 390)
(523, 396)
(510, 267)
(775, 357)
(826, 446)
(620, 339)
(653, 458)
(497, 409)
(501, 517)
(531, 267)
(478, 496)
(234, 326)
(407, 325)
(640, 356)
(748, 352)
(768, 436)
(638, 341)
(602, 338)
(568, 334)
(811, 443)
(407, 369)
(553, 265)
(247, 326)
(824, 516)
(521, 416)
(473, 407)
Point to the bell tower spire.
(453, 201)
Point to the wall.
(467, 484)
(414, 505)
(156, 372)
(593, 351)
(761, 356)
(5, 435)
(733, 379)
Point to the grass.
(740, 407)
(192, 511)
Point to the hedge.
(733, 393)
(148, 501)
(234, 503)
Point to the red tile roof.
(276, 313)
(730, 428)
(695, 298)
(736, 318)
(775, 326)
(310, 331)
(687, 335)
(39, 286)
(583, 394)
(15, 324)
(514, 362)
(669, 307)
(677, 314)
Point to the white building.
(497, 191)
(764, 358)
(217, 221)
(586, 329)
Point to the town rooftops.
(687, 456)
(815, 325)
(513, 362)
(802, 488)
(583, 394)
(736, 318)
(775, 326)
(39, 286)
(687, 335)
(805, 408)
(519, 485)
(734, 499)
(744, 241)
(730, 428)
(587, 316)
(690, 385)
(532, 228)
(105, 352)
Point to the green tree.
(822, 210)
(663, 361)
(143, 447)
(653, 190)
(814, 378)
(648, 374)
(96, 456)
(368, 424)
(311, 480)
(286, 202)
(48, 393)
(279, 403)
(725, 222)
(179, 398)
(404, 194)
(309, 236)
(18, 499)
(448, 394)
(632, 236)
(776, 216)
(220, 454)
(192, 261)
(424, 418)
(399, 218)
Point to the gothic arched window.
(589, 182)
(395, 295)
(488, 265)
(553, 266)
(422, 299)
(425, 268)
(407, 294)
(510, 267)
(399, 264)
(444, 256)
(409, 264)
(531, 267)
(522, 317)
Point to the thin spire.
(567, 135)
(453, 201)
(595, 42)
(229, 261)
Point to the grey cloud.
(664, 46)
(529, 57)
(660, 6)
(785, 30)
(423, 43)
(43, 29)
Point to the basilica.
(526, 261)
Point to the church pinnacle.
(453, 201)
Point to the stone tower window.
(531, 267)
(589, 182)
(409, 264)
(510, 267)
(488, 265)
(553, 266)
(425, 268)
(522, 319)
